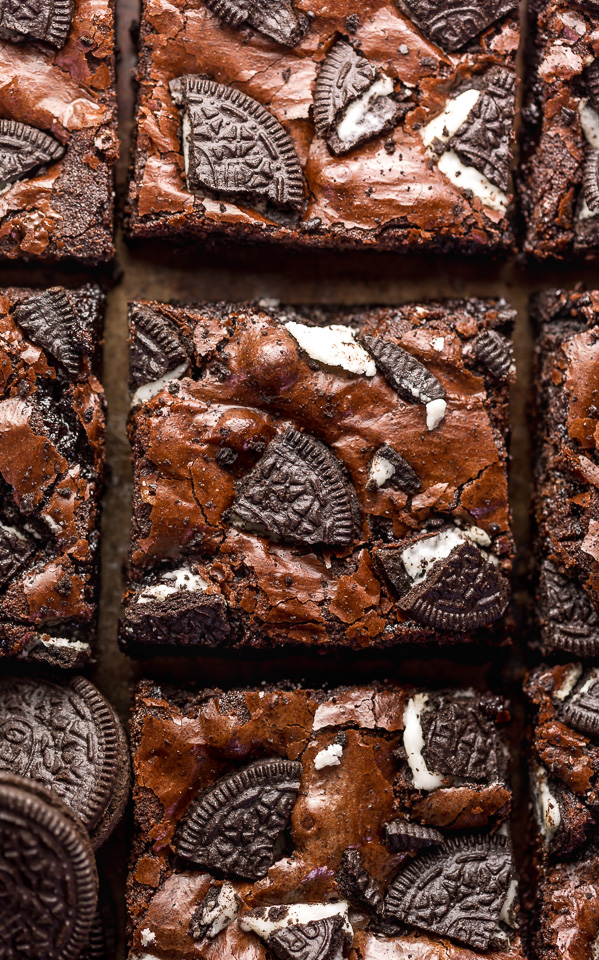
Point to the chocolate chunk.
(66, 738)
(463, 592)
(156, 347)
(573, 621)
(343, 77)
(49, 320)
(590, 180)
(494, 352)
(591, 78)
(453, 23)
(48, 20)
(234, 146)
(234, 826)
(356, 884)
(299, 491)
(275, 18)
(460, 740)
(458, 891)
(408, 377)
(401, 836)
(15, 551)
(49, 879)
(23, 150)
(581, 711)
(402, 477)
(484, 139)
(318, 940)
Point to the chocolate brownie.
(363, 822)
(567, 475)
(58, 141)
(316, 476)
(560, 148)
(51, 472)
(327, 124)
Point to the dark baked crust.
(51, 477)
(185, 741)
(561, 44)
(203, 451)
(67, 210)
(566, 493)
(387, 193)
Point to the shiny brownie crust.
(259, 515)
(62, 209)
(387, 192)
(52, 421)
(566, 497)
(559, 174)
(351, 821)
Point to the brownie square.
(566, 491)
(326, 124)
(51, 472)
(363, 822)
(58, 139)
(560, 172)
(318, 476)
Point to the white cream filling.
(60, 643)
(570, 680)
(149, 390)
(413, 741)
(335, 346)
(547, 808)
(147, 937)
(329, 757)
(469, 178)
(381, 470)
(54, 526)
(177, 581)
(506, 915)
(419, 557)
(589, 122)
(451, 118)
(357, 122)
(437, 343)
(592, 678)
(265, 924)
(12, 531)
(223, 912)
(435, 412)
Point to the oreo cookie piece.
(302, 931)
(15, 550)
(494, 352)
(23, 149)
(218, 909)
(461, 741)
(402, 836)
(49, 320)
(157, 351)
(484, 139)
(298, 491)
(356, 884)
(591, 79)
(276, 19)
(235, 825)
(571, 621)
(581, 709)
(389, 469)
(460, 891)
(47, 20)
(453, 23)
(234, 147)
(49, 878)
(408, 377)
(464, 591)
(353, 101)
(590, 180)
(67, 738)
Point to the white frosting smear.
(435, 413)
(329, 757)
(357, 121)
(413, 742)
(149, 390)
(177, 581)
(335, 346)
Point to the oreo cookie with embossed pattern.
(356, 884)
(67, 738)
(590, 180)
(452, 23)
(495, 352)
(235, 825)
(401, 836)
(408, 377)
(298, 491)
(463, 592)
(459, 740)
(276, 19)
(156, 348)
(48, 20)
(234, 147)
(572, 623)
(23, 150)
(483, 141)
(458, 891)
(49, 879)
(581, 709)
(318, 940)
(49, 320)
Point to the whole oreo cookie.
(67, 738)
(49, 879)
